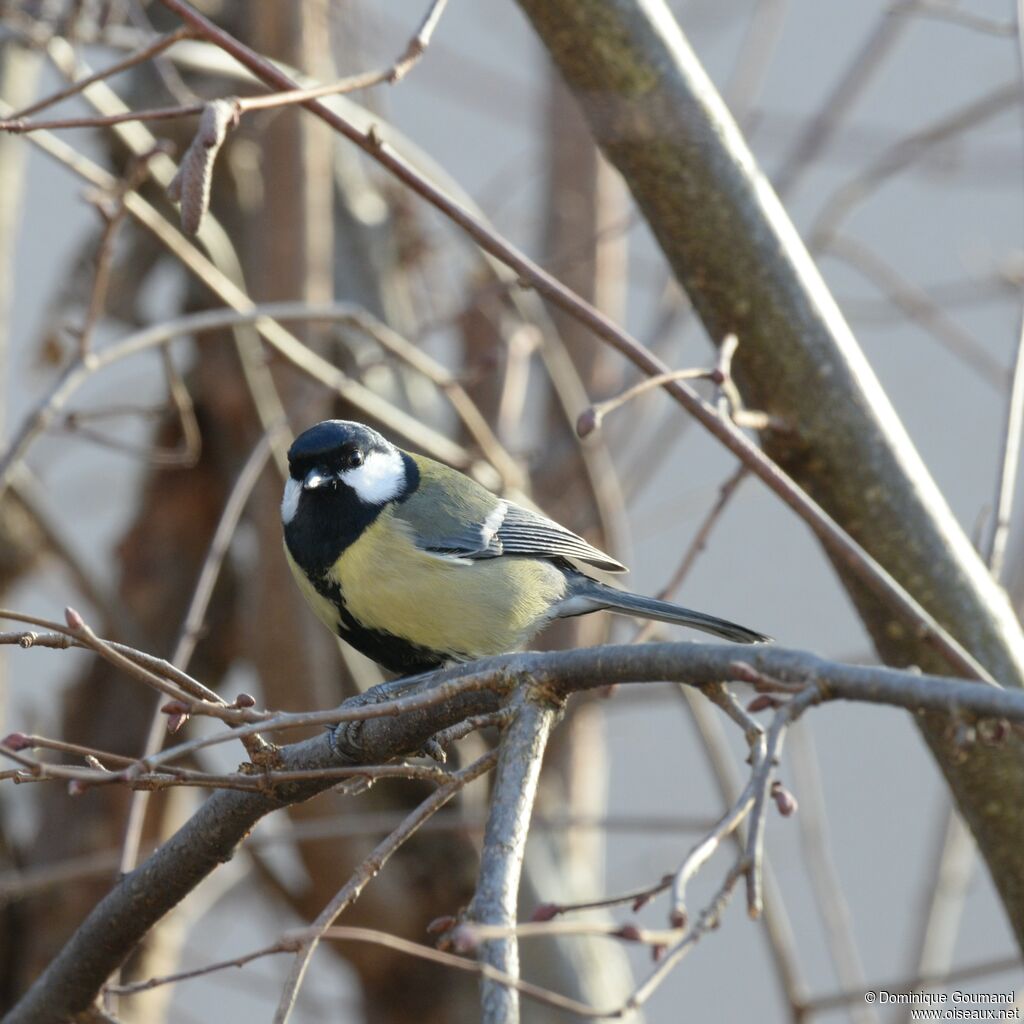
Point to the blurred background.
(114, 514)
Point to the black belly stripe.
(393, 652)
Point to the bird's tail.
(587, 595)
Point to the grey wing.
(523, 532)
(470, 524)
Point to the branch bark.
(501, 862)
(73, 979)
(663, 125)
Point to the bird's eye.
(354, 460)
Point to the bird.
(417, 566)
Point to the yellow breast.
(467, 608)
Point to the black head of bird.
(415, 564)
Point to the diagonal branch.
(840, 545)
(661, 122)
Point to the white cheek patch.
(379, 479)
(290, 501)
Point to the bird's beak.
(317, 478)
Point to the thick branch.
(120, 921)
(116, 925)
(661, 122)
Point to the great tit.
(416, 565)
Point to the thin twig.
(835, 913)
(946, 10)
(157, 46)
(369, 868)
(1007, 485)
(468, 934)
(61, 638)
(700, 854)
(18, 124)
(761, 781)
(188, 635)
(696, 546)
(914, 983)
(288, 944)
(944, 890)
(834, 107)
(497, 892)
(352, 934)
(122, 918)
(591, 418)
(778, 928)
(708, 920)
(836, 540)
(919, 306)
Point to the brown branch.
(198, 324)
(368, 869)
(352, 934)
(17, 124)
(840, 937)
(71, 981)
(62, 639)
(153, 49)
(946, 10)
(496, 899)
(843, 548)
(916, 983)
(696, 547)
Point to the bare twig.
(497, 893)
(944, 891)
(778, 929)
(83, 632)
(835, 106)
(839, 543)
(468, 934)
(370, 867)
(915, 983)
(73, 978)
(61, 638)
(265, 781)
(415, 49)
(198, 324)
(1007, 485)
(903, 153)
(696, 546)
(591, 418)
(946, 10)
(189, 633)
(700, 854)
(157, 46)
(352, 934)
(708, 920)
(835, 913)
(761, 778)
(288, 944)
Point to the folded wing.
(478, 525)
